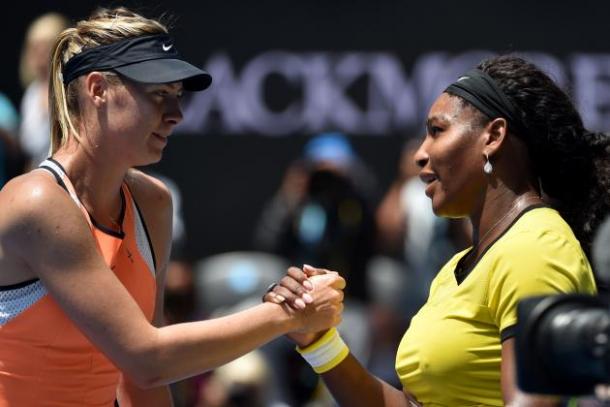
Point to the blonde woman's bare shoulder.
(148, 190)
(29, 192)
(23, 200)
(37, 218)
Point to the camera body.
(562, 344)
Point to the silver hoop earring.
(487, 168)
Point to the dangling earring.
(487, 168)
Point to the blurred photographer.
(321, 213)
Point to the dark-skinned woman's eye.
(434, 130)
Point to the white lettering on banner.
(393, 100)
(592, 89)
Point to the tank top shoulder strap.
(62, 179)
(134, 218)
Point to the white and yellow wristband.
(325, 353)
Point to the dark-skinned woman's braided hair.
(571, 162)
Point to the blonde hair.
(105, 26)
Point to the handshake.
(313, 298)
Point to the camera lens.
(562, 344)
(573, 343)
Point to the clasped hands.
(314, 297)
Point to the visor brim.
(167, 71)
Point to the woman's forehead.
(445, 107)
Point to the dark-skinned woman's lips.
(429, 188)
(429, 179)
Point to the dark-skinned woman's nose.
(421, 156)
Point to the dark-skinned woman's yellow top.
(451, 354)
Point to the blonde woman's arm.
(54, 241)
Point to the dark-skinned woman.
(504, 147)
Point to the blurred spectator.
(600, 258)
(243, 382)
(12, 159)
(9, 118)
(34, 134)
(321, 213)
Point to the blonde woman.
(84, 239)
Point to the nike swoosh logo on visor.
(167, 47)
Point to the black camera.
(562, 344)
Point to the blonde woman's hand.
(325, 310)
(314, 296)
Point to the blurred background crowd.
(302, 153)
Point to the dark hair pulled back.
(571, 162)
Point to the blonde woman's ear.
(96, 88)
